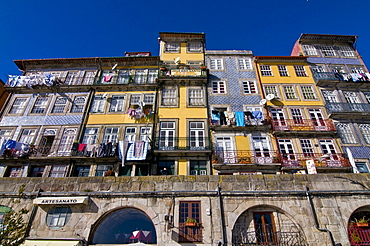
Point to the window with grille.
(271, 89)
(289, 92)
(59, 105)
(40, 105)
(249, 87)
(98, 104)
(117, 103)
(196, 97)
(216, 64)
(346, 133)
(300, 71)
(195, 47)
(245, 64)
(309, 50)
(78, 104)
(327, 50)
(18, 106)
(266, 70)
(347, 51)
(308, 92)
(283, 71)
(169, 97)
(218, 87)
(365, 131)
(172, 47)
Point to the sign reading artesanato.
(60, 200)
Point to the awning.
(52, 243)
(61, 200)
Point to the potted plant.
(362, 222)
(190, 222)
(203, 67)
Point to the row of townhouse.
(190, 111)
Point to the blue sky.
(93, 28)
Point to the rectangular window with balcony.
(244, 64)
(152, 76)
(296, 115)
(190, 211)
(327, 50)
(195, 47)
(167, 135)
(249, 87)
(89, 78)
(346, 133)
(117, 103)
(40, 105)
(27, 136)
(145, 133)
(283, 71)
(72, 78)
(169, 97)
(196, 133)
(356, 69)
(90, 135)
(309, 50)
(107, 77)
(365, 131)
(308, 92)
(140, 76)
(196, 97)
(216, 64)
(218, 87)
(66, 142)
(307, 148)
(172, 47)
(5, 135)
(78, 104)
(266, 70)
(271, 89)
(130, 134)
(347, 51)
(60, 105)
(124, 76)
(351, 96)
(289, 92)
(98, 104)
(18, 106)
(111, 135)
(261, 149)
(318, 68)
(300, 71)
(198, 167)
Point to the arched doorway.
(124, 226)
(359, 227)
(266, 225)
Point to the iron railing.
(190, 233)
(245, 157)
(182, 143)
(347, 107)
(298, 160)
(129, 79)
(168, 72)
(359, 236)
(340, 77)
(320, 125)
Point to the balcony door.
(287, 152)
(196, 133)
(317, 119)
(353, 100)
(329, 150)
(225, 149)
(261, 150)
(277, 115)
(66, 141)
(167, 135)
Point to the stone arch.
(122, 226)
(359, 226)
(266, 224)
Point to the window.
(216, 64)
(89, 78)
(116, 103)
(90, 135)
(72, 78)
(140, 76)
(300, 71)
(166, 167)
(101, 169)
(197, 139)
(330, 96)
(58, 217)
(337, 69)
(218, 87)
(266, 70)
(283, 71)
(289, 92)
(195, 47)
(307, 147)
(196, 97)
(318, 68)
(271, 89)
(40, 105)
(59, 105)
(152, 76)
(309, 50)
(189, 210)
(351, 96)
(172, 47)
(308, 92)
(347, 51)
(78, 104)
(82, 171)
(365, 131)
(245, 64)
(327, 50)
(149, 98)
(18, 106)
(356, 70)
(111, 135)
(98, 104)
(5, 135)
(346, 133)
(169, 97)
(265, 228)
(297, 115)
(15, 172)
(27, 136)
(37, 171)
(145, 133)
(198, 167)
(58, 171)
(66, 141)
(107, 77)
(261, 149)
(167, 135)
(249, 87)
(124, 76)
(130, 134)
(362, 167)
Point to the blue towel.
(239, 116)
(257, 114)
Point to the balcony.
(182, 72)
(327, 161)
(358, 235)
(190, 233)
(257, 124)
(192, 144)
(126, 80)
(303, 125)
(327, 78)
(352, 109)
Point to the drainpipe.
(223, 227)
(316, 220)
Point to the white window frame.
(365, 132)
(300, 71)
(249, 87)
(27, 135)
(145, 133)
(283, 71)
(346, 133)
(60, 105)
(218, 87)
(117, 103)
(216, 64)
(172, 47)
(266, 70)
(310, 50)
(194, 47)
(196, 97)
(58, 171)
(271, 89)
(328, 50)
(40, 106)
(347, 51)
(169, 97)
(18, 106)
(111, 134)
(318, 68)
(130, 133)
(77, 105)
(245, 64)
(90, 135)
(308, 92)
(289, 92)
(98, 104)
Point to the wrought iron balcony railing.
(320, 125)
(347, 108)
(358, 236)
(184, 143)
(245, 157)
(170, 72)
(126, 79)
(298, 160)
(190, 233)
(340, 77)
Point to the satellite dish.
(115, 65)
(105, 95)
(270, 97)
(177, 60)
(263, 102)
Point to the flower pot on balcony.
(362, 224)
(190, 223)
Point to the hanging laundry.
(137, 151)
(239, 116)
(355, 77)
(222, 118)
(123, 146)
(107, 78)
(257, 114)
